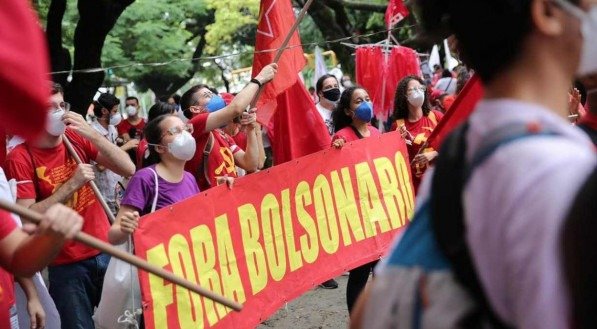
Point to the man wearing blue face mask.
(217, 155)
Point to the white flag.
(320, 68)
(434, 57)
(451, 62)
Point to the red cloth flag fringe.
(460, 110)
(297, 129)
(371, 67)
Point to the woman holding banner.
(161, 183)
(415, 120)
(352, 122)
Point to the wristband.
(255, 81)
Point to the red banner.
(277, 234)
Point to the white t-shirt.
(326, 115)
(447, 85)
(515, 206)
(111, 133)
(107, 180)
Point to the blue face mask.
(216, 103)
(364, 112)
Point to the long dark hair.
(339, 117)
(160, 108)
(319, 83)
(153, 135)
(401, 102)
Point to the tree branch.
(363, 6)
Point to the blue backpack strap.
(501, 137)
(452, 171)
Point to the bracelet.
(255, 81)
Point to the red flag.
(24, 88)
(299, 130)
(460, 110)
(395, 12)
(276, 17)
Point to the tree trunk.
(59, 56)
(96, 19)
(334, 24)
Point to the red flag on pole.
(298, 129)
(275, 20)
(460, 110)
(24, 88)
(395, 12)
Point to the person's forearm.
(115, 159)
(28, 287)
(36, 252)
(261, 156)
(62, 194)
(251, 156)
(116, 236)
(244, 98)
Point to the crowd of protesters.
(528, 224)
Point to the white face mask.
(115, 119)
(131, 111)
(588, 20)
(183, 146)
(55, 126)
(416, 98)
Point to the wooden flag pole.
(89, 240)
(280, 50)
(94, 187)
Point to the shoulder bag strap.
(155, 197)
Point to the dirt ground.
(316, 309)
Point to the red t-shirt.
(220, 161)
(141, 149)
(7, 298)
(53, 167)
(348, 134)
(125, 127)
(420, 130)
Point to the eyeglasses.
(206, 94)
(177, 130)
(55, 107)
(421, 88)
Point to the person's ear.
(548, 18)
(160, 149)
(195, 109)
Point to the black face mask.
(332, 95)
